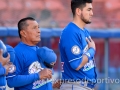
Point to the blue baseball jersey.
(2, 69)
(2, 76)
(72, 45)
(28, 66)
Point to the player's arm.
(87, 55)
(21, 80)
(74, 51)
(16, 79)
(3, 63)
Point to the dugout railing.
(105, 34)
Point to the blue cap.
(47, 55)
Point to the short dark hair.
(78, 4)
(22, 24)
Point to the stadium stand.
(12, 10)
(112, 5)
(15, 5)
(3, 5)
(54, 5)
(34, 4)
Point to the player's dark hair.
(22, 24)
(78, 4)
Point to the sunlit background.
(56, 14)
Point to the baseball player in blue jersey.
(3, 70)
(77, 49)
(31, 73)
(5, 64)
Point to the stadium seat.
(97, 23)
(112, 5)
(117, 15)
(15, 4)
(54, 5)
(3, 4)
(6, 15)
(62, 17)
(34, 4)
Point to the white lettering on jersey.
(35, 67)
(40, 83)
(89, 66)
(75, 50)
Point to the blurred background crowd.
(56, 13)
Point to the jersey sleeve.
(16, 79)
(21, 80)
(2, 70)
(73, 50)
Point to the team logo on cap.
(75, 50)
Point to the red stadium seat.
(3, 4)
(34, 4)
(62, 17)
(54, 5)
(118, 15)
(112, 5)
(15, 4)
(6, 15)
(97, 22)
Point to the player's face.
(87, 13)
(32, 32)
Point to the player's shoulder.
(70, 26)
(70, 29)
(21, 51)
(19, 47)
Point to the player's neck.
(79, 23)
(27, 42)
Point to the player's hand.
(7, 67)
(45, 74)
(91, 43)
(57, 84)
(3, 60)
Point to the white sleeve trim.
(75, 59)
(10, 76)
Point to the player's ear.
(78, 11)
(23, 33)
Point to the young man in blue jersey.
(77, 49)
(29, 73)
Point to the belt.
(87, 84)
(80, 82)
